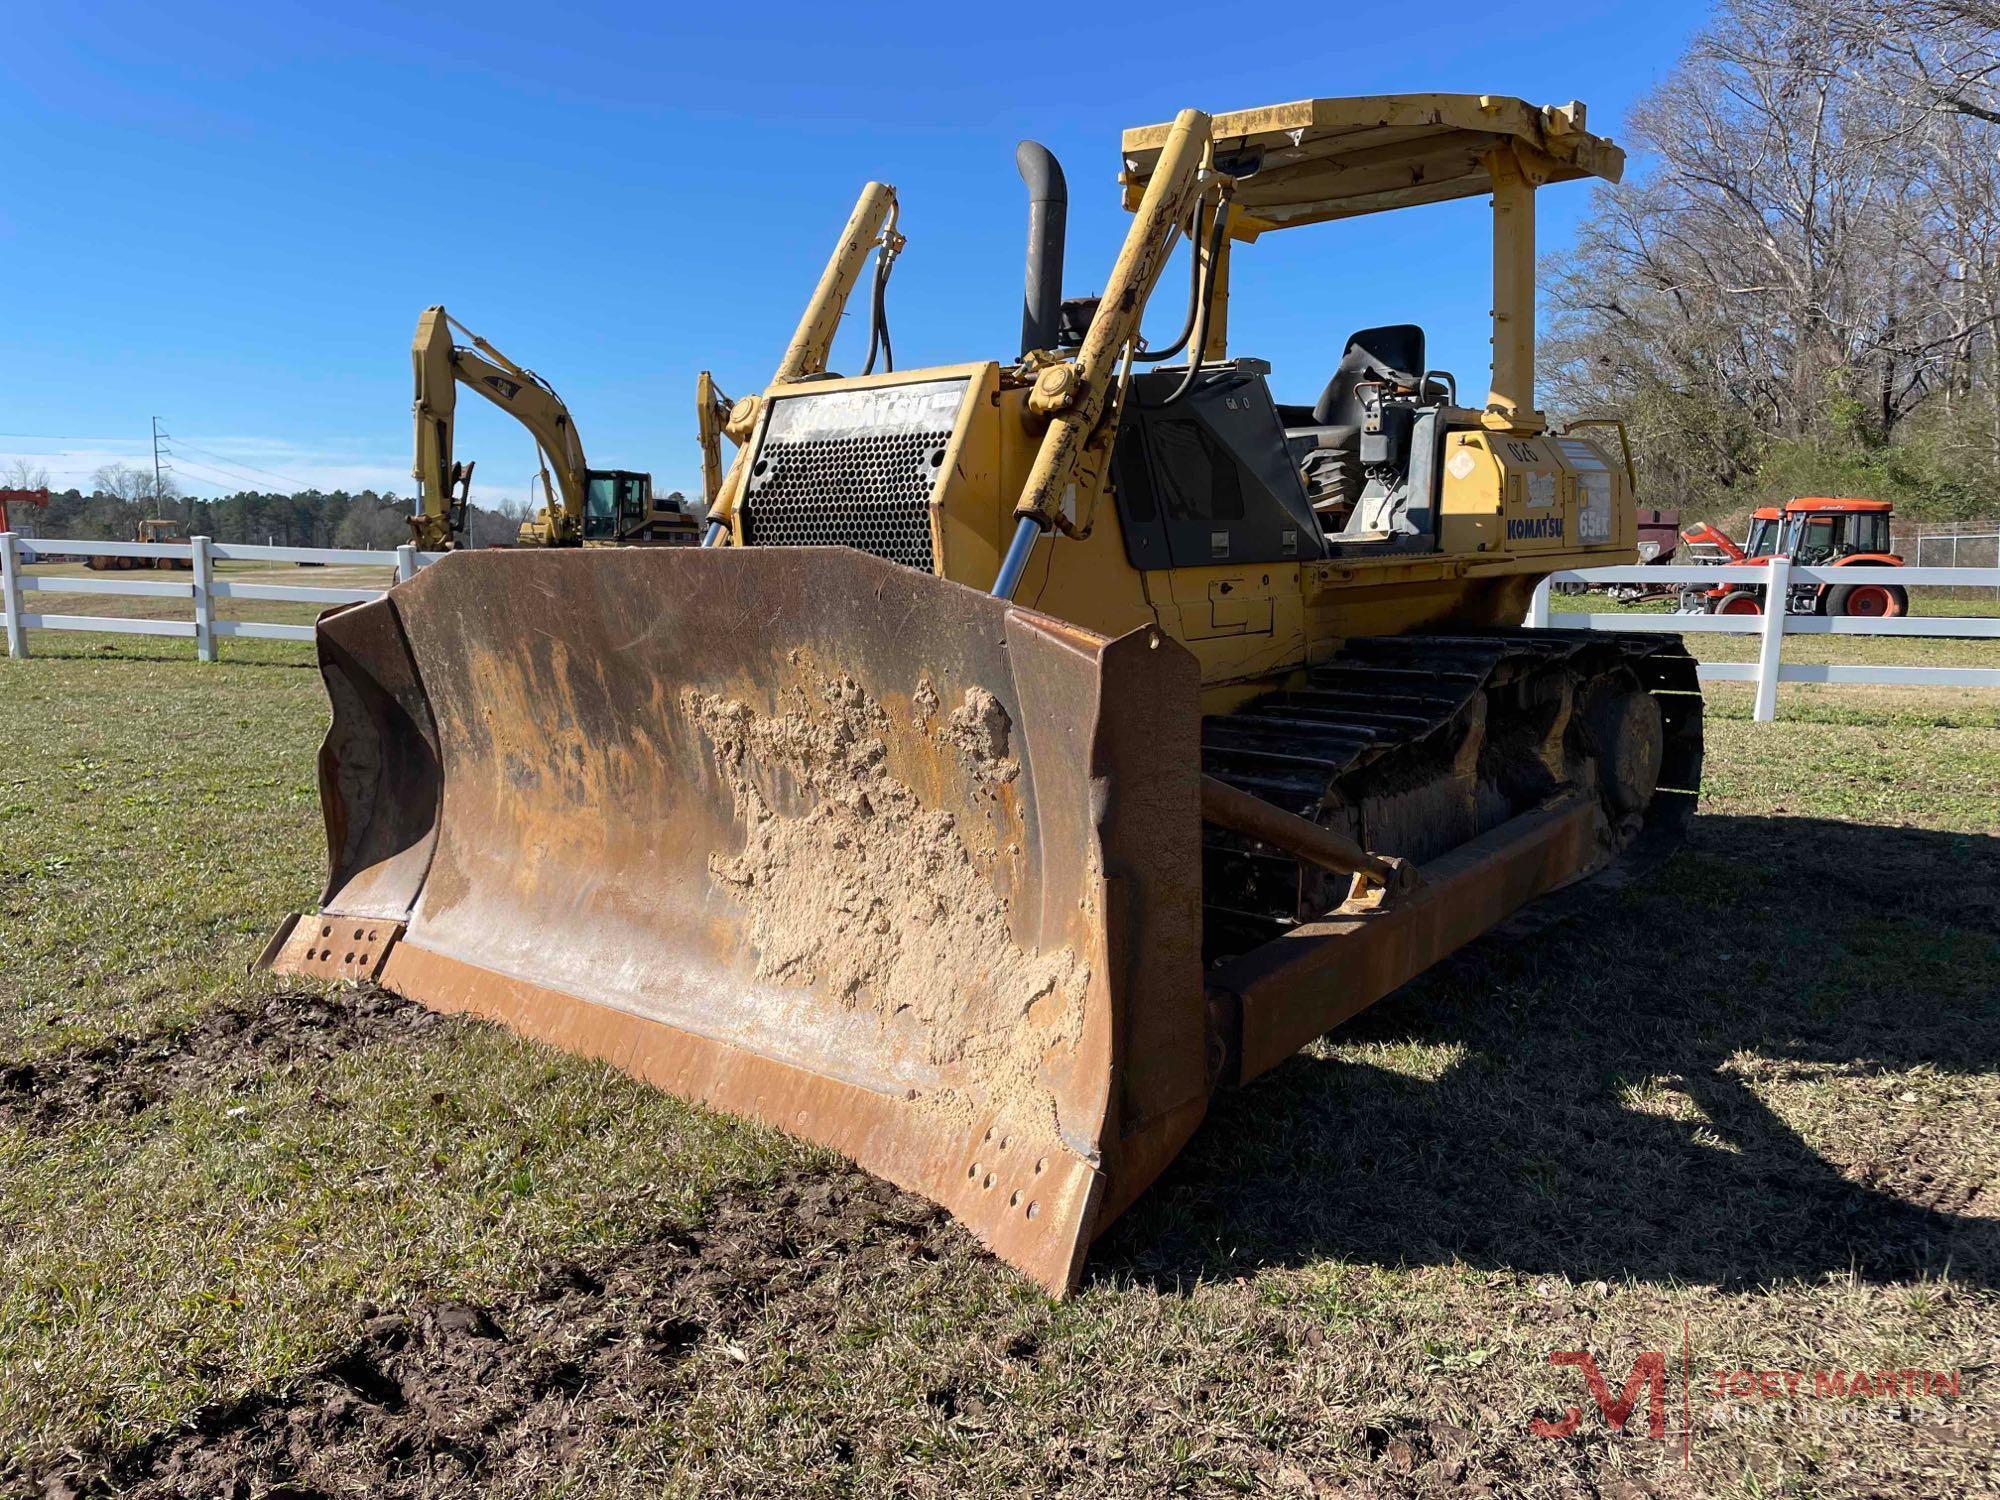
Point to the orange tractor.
(37, 496)
(1817, 532)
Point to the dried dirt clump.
(863, 893)
(978, 728)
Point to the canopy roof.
(1322, 159)
(1816, 503)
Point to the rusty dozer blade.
(797, 833)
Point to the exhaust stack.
(1048, 222)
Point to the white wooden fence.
(1771, 627)
(200, 587)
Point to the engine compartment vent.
(853, 469)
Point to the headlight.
(1648, 551)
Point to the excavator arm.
(711, 409)
(440, 365)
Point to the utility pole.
(160, 471)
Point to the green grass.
(1753, 1096)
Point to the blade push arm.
(871, 225)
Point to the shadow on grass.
(92, 649)
(1597, 1099)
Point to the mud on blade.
(798, 833)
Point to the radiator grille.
(853, 469)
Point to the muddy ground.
(255, 1036)
(450, 1400)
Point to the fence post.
(1771, 649)
(406, 562)
(1538, 606)
(10, 596)
(204, 601)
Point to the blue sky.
(230, 217)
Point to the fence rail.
(200, 587)
(1772, 626)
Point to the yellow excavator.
(1040, 743)
(581, 506)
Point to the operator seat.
(1328, 452)
(1393, 355)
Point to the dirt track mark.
(448, 1399)
(124, 1076)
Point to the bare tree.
(125, 482)
(496, 523)
(1807, 245)
(1940, 55)
(24, 474)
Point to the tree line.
(121, 496)
(1796, 290)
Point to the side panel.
(1544, 502)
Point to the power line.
(242, 464)
(241, 481)
(222, 460)
(67, 437)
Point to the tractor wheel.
(1877, 600)
(1739, 602)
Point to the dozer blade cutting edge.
(797, 833)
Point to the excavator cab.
(620, 509)
(616, 501)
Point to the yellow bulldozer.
(1041, 743)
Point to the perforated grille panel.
(853, 469)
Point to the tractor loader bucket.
(799, 834)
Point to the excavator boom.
(441, 365)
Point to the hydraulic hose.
(878, 315)
(1154, 356)
(1200, 343)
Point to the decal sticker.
(1593, 521)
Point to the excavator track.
(1415, 744)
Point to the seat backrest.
(1394, 353)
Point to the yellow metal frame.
(1512, 498)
